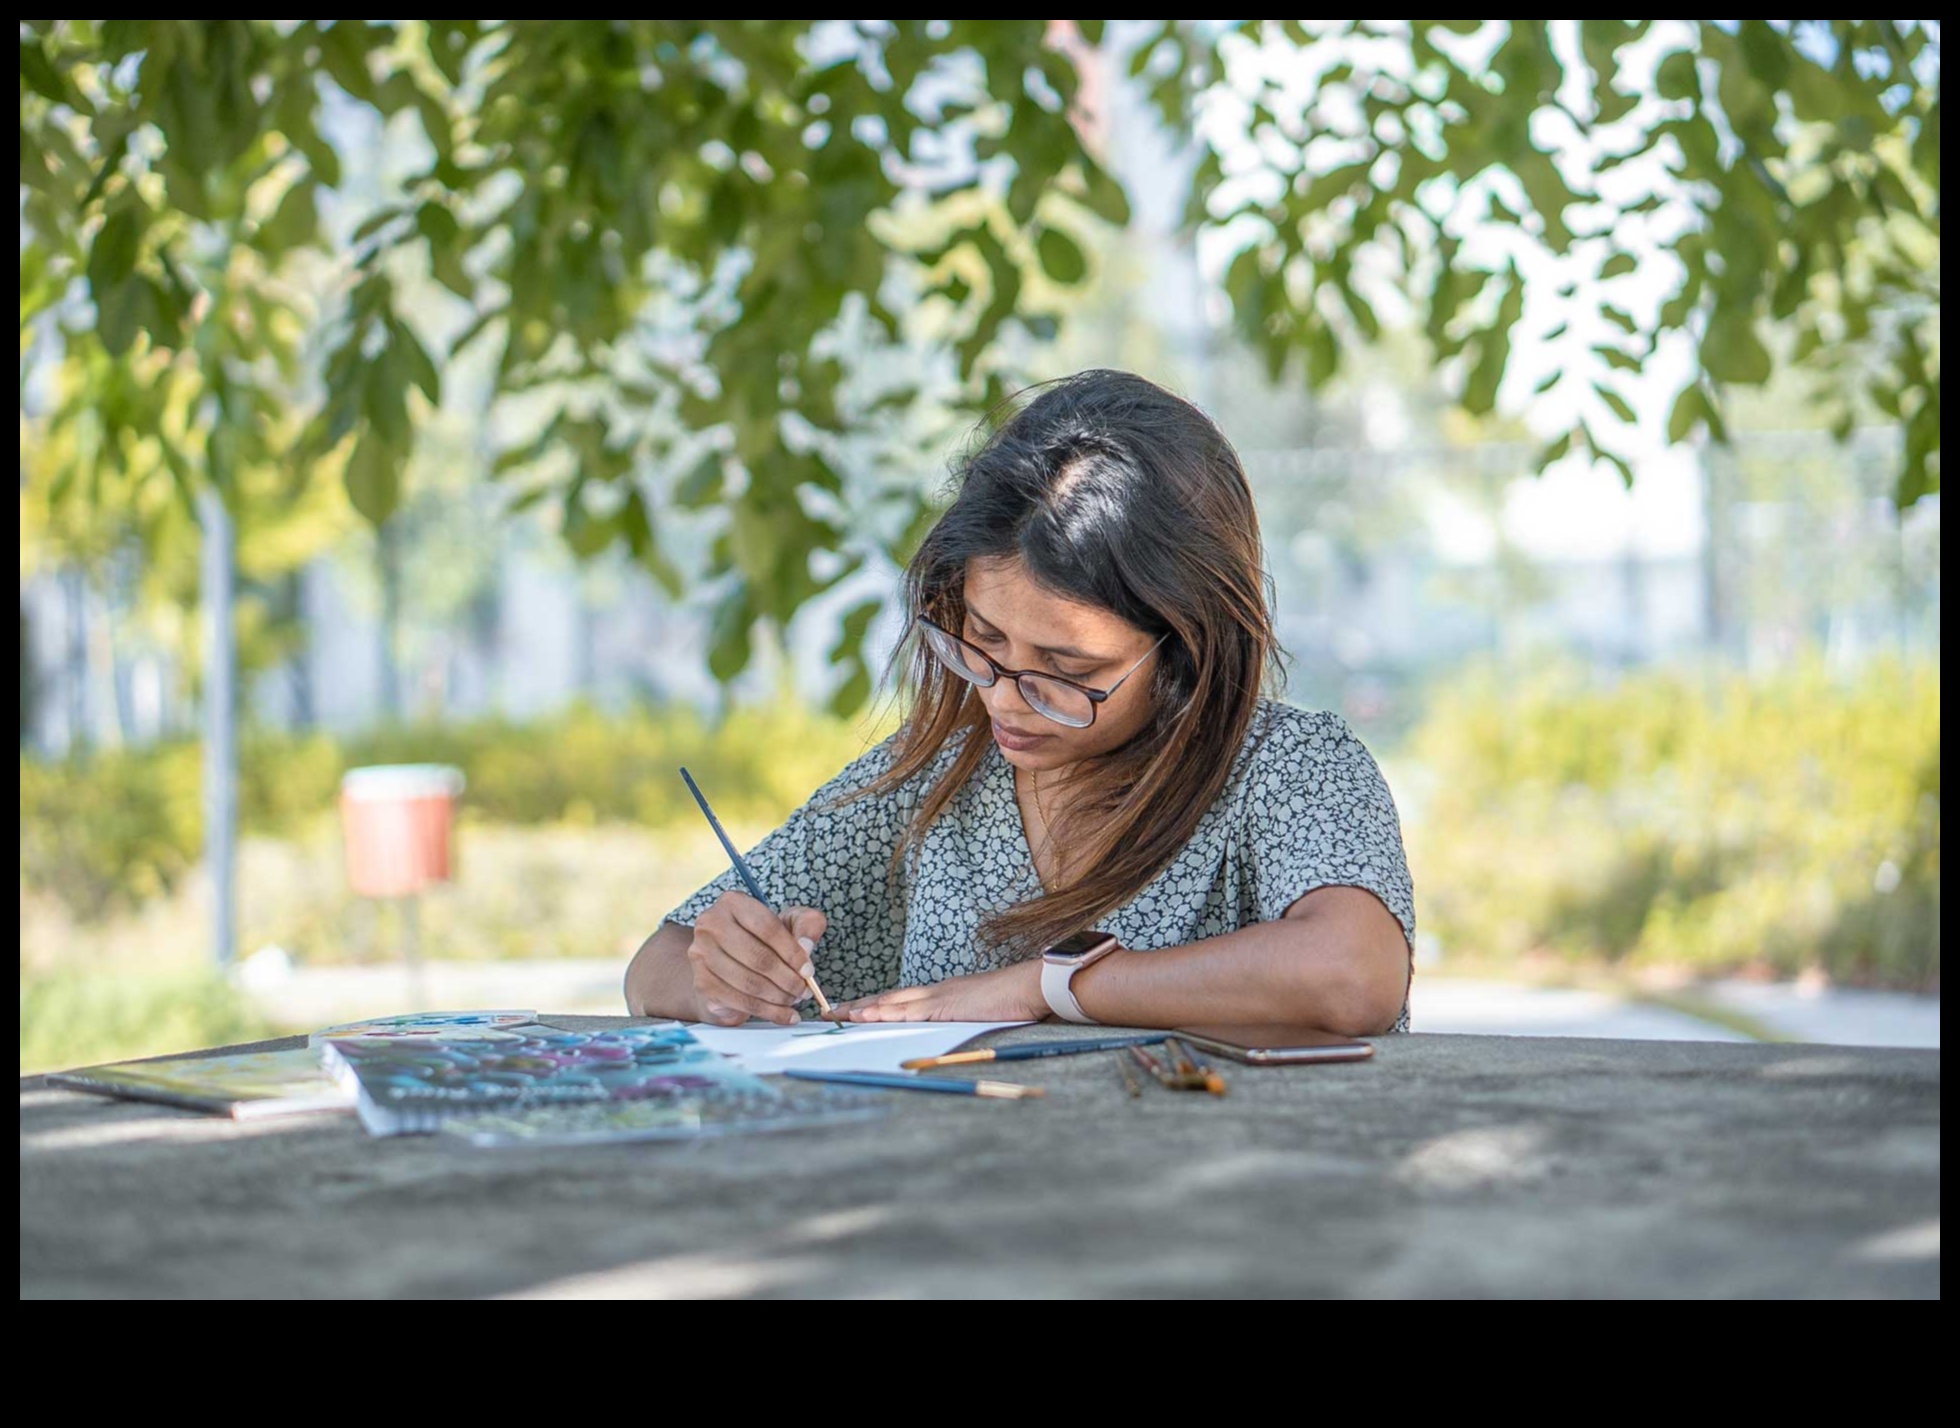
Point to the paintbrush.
(748, 878)
(1198, 1077)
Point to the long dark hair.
(1118, 494)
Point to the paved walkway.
(314, 997)
(1504, 1009)
(1840, 1016)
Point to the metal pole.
(418, 983)
(220, 726)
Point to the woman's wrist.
(659, 982)
(1081, 984)
(1038, 1008)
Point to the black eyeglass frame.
(1001, 671)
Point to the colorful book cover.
(429, 1024)
(674, 1085)
(244, 1087)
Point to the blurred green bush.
(109, 831)
(1698, 821)
(1702, 821)
(78, 1018)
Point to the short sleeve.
(1319, 814)
(835, 854)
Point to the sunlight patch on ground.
(1920, 1241)
(1466, 1159)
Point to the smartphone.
(1275, 1045)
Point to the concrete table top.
(1444, 1166)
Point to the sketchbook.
(764, 1048)
(538, 1085)
(245, 1087)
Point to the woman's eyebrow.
(1058, 651)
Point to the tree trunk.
(74, 675)
(220, 726)
(388, 542)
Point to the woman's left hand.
(1007, 994)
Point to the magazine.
(244, 1087)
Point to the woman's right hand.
(748, 961)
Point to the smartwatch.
(1062, 961)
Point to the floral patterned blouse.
(1305, 807)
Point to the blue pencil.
(896, 1081)
(1035, 1050)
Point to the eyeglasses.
(1049, 695)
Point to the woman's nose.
(1004, 699)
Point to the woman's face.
(1025, 627)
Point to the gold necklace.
(1047, 823)
(1041, 807)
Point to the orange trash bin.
(399, 821)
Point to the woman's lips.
(1014, 739)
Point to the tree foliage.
(577, 174)
(659, 228)
(1788, 172)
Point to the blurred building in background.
(1390, 566)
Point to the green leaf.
(1619, 405)
(586, 535)
(1731, 351)
(857, 621)
(119, 313)
(41, 77)
(1493, 352)
(1618, 265)
(1335, 183)
(294, 222)
(728, 637)
(112, 257)
(415, 357)
(1617, 462)
(849, 651)
(1688, 412)
(375, 222)
(1676, 77)
(1061, 260)
(374, 478)
(439, 228)
(344, 48)
(853, 692)
(702, 486)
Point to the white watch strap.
(1055, 977)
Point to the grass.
(138, 982)
(72, 1019)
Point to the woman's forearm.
(1337, 960)
(658, 980)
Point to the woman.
(1087, 756)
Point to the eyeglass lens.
(1050, 698)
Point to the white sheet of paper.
(765, 1048)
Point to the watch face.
(1077, 944)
